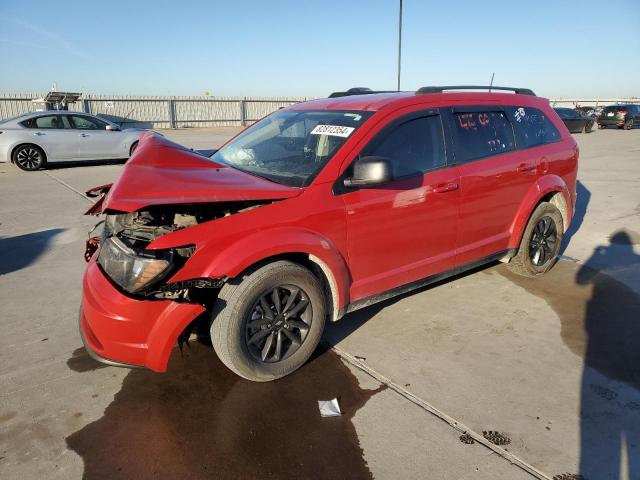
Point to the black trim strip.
(379, 297)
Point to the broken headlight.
(133, 271)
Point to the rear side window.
(47, 122)
(412, 147)
(532, 127)
(481, 134)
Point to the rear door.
(494, 177)
(95, 142)
(404, 230)
(54, 134)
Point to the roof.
(377, 101)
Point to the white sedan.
(33, 139)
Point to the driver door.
(95, 142)
(405, 230)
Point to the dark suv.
(622, 116)
(318, 210)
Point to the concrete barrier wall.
(189, 112)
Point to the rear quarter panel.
(557, 172)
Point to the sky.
(559, 48)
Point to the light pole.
(399, 43)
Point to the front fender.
(543, 186)
(231, 260)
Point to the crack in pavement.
(459, 426)
(65, 184)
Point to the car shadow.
(335, 332)
(83, 163)
(21, 251)
(583, 198)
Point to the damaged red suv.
(315, 211)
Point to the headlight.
(128, 269)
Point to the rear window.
(481, 134)
(15, 117)
(615, 108)
(567, 113)
(532, 127)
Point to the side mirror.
(112, 128)
(370, 172)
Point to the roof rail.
(358, 91)
(521, 91)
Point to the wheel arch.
(23, 144)
(304, 247)
(320, 270)
(550, 188)
(135, 143)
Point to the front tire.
(267, 323)
(540, 244)
(29, 158)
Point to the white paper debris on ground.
(329, 408)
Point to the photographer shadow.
(610, 405)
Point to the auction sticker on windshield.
(335, 130)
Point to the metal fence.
(185, 112)
(590, 102)
(161, 112)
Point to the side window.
(414, 146)
(481, 134)
(87, 123)
(49, 121)
(532, 127)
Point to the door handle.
(83, 135)
(445, 187)
(526, 167)
(39, 134)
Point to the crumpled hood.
(162, 173)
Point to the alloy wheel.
(278, 323)
(542, 245)
(29, 158)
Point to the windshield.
(291, 146)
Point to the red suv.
(315, 211)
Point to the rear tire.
(248, 329)
(628, 124)
(540, 244)
(29, 157)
